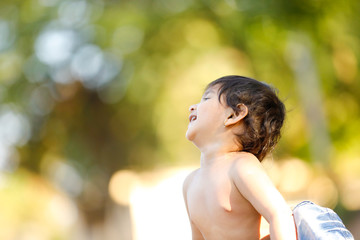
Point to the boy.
(235, 125)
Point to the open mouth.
(192, 118)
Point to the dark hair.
(266, 113)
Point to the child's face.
(207, 117)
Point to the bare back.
(216, 208)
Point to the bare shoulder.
(247, 171)
(244, 164)
(189, 179)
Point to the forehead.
(212, 89)
(215, 89)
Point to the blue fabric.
(318, 223)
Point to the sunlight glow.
(121, 186)
(156, 203)
(159, 211)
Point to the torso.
(218, 209)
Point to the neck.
(215, 152)
(216, 148)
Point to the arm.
(267, 237)
(196, 234)
(254, 184)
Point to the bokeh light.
(122, 185)
(56, 46)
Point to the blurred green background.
(90, 88)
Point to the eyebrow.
(209, 91)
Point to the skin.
(227, 195)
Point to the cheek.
(210, 114)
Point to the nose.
(192, 108)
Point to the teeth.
(193, 118)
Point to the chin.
(190, 135)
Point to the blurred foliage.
(88, 87)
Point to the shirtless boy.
(235, 125)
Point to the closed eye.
(208, 94)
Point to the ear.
(234, 118)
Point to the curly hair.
(266, 113)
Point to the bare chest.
(212, 198)
(218, 209)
